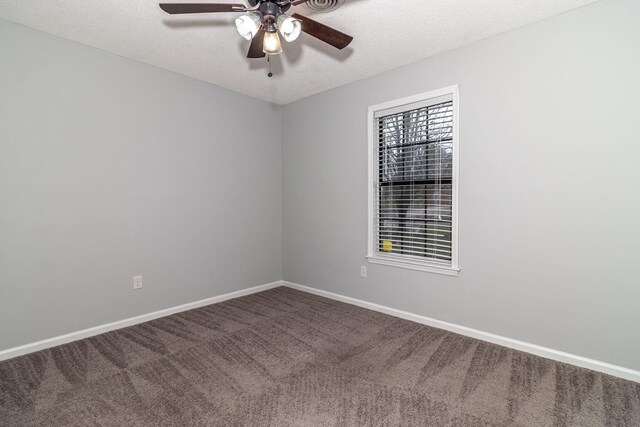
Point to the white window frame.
(397, 260)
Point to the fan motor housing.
(269, 7)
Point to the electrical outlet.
(137, 282)
(363, 271)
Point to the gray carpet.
(288, 358)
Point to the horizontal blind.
(414, 182)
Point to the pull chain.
(269, 62)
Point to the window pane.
(415, 165)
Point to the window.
(413, 182)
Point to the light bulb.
(289, 27)
(248, 25)
(271, 44)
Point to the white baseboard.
(96, 330)
(549, 353)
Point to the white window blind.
(414, 183)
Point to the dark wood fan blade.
(255, 50)
(297, 2)
(176, 8)
(322, 32)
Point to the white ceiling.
(387, 34)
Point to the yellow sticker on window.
(387, 246)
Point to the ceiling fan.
(261, 22)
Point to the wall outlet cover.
(363, 271)
(137, 282)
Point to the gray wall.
(110, 168)
(549, 200)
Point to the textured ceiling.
(387, 34)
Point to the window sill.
(410, 265)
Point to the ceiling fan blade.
(177, 8)
(297, 2)
(322, 32)
(255, 50)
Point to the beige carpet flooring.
(288, 358)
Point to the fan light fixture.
(260, 21)
(289, 27)
(249, 24)
(271, 44)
